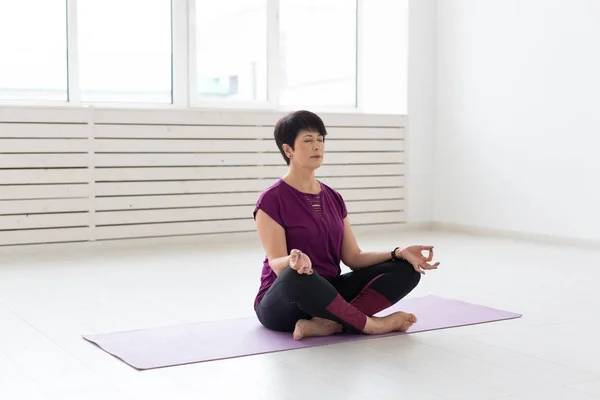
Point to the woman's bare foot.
(315, 327)
(396, 322)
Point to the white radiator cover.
(92, 174)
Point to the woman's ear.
(287, 150)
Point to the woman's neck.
(302, 180)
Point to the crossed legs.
(310, 305)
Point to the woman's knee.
(409, 273)
(400, 281)
(299, 285)
(290, 274)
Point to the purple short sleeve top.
(313, 224)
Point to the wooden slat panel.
(233, 118)
(372, 194)
(142, 160)
(33, 221)
(44, 236)
(340, 183)
(223, 186)
(365, 133)
(180, 201)
(196, 173)
(11, 130)
(217, 117)
(186, 173)
(9, 192)
(377, 218)
(44, 160)
(226, 146)
(226, 199)
(43, 206)
(233, 132)
(31, 176)
(242, 225)
(375, 205)
(46, 115)
(44, 145)
(361, 170)
(222, 212)
(176, 214)
(182, 132)
(364, 161)
(186, 117)
(176, 228)
(367, 120)
(364, 145)
(364, 158)
(178, 187)
(183, 146)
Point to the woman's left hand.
(414, 255)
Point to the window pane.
(231, 49)
(33, 50)
(125, 50)
(384, 72)
(318, 52)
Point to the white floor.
(47, 302)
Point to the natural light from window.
(327, 55)
(125, 50)
(33, 50)
(384, 56)
(231, 50)
(317, 52)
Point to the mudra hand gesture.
(300, 262)
(414, 255)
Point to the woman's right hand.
(300, 262)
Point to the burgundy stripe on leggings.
(347, 312)
(369, 300)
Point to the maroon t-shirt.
(313, 224)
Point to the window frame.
(183, 58)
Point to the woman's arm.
(354, 257)
(272, 237)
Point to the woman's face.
(309, 149)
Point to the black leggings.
(347, 299)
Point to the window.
(33, 50)
(384, 56)
(125, 50)
(261, 54)
(231, 50)
(317, 52)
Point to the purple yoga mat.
(206, 341)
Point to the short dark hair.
(288, 127)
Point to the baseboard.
(531, 237)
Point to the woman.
(302, 290)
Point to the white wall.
(421, 110)
(518, 118)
